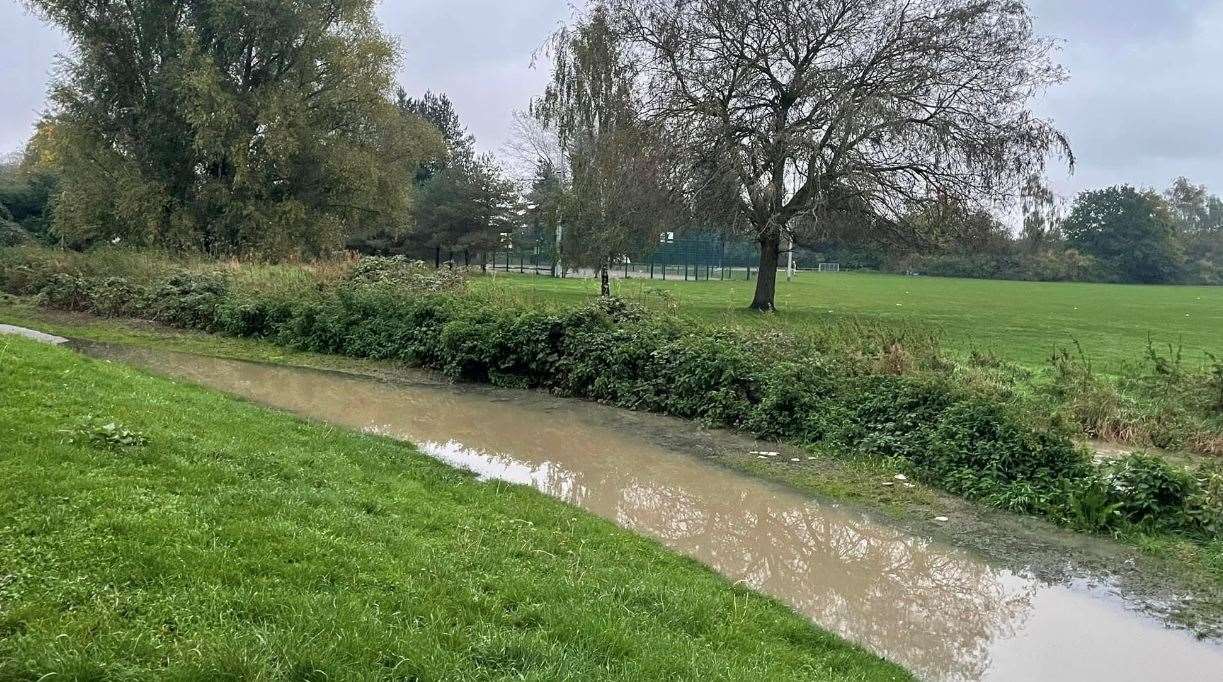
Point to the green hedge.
(621, 354)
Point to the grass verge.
(203, 537)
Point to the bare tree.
(533, 144)
(801, 104)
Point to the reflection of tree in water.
(935, 612)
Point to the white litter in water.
(941, 519)
(901, 477)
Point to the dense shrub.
(12, 234)
(412, 275)
(812, 390)
(1151, 491)
(66, 292)
(118, 297)
(1161, 402)
(191, 300)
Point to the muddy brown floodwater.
(939, 611)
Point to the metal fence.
(694, 257)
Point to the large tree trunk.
(605, 280)
(766, 283)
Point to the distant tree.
(617, 200)
(1198, 217)
(469, 207)
(543, 207)
(229, 125)
(438, 110)
(959, 226)
(28, 186)
(1130, 231)
(802, 103)
(1188, 205)
(616, 205)
(1041, 215)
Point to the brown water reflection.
(936, 610)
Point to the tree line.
(276, 130)
(1122, 234)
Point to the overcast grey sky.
(1145, 102)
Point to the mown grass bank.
(202, 537)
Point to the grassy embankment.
(1022, 322)
(223, 539)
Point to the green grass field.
(239, 543)
(1024, 322)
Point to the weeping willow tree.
(618, 197)
(229, 126)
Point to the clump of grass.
(1160, 402)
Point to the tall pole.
(790, 260)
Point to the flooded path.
(939, 611)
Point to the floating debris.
(901, 477)
(941, 519)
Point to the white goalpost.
(830, 267)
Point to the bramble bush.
(623, 354)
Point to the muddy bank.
(905, 592)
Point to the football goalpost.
(830, 267)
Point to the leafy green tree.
(617, 203)
(1130, 231)
(438, 110)
(469, 206)
(27, 191)
(617, 200)
(1198, 217)
(1189, 206)
(543, 209)
(232, 126)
